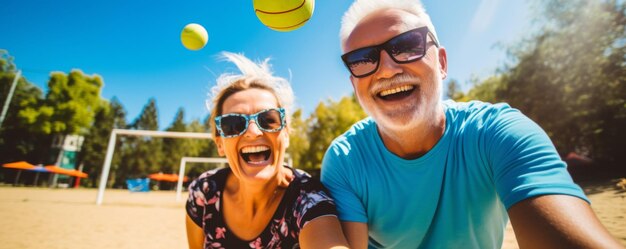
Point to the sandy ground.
(69, 218)
(607, 201)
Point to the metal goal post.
(183, 163)
(111, 148)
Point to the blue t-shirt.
(456, 195)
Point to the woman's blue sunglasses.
(235, 124)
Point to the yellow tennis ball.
(194, 36)
(284, 15)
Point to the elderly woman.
(257, 202)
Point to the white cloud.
(483, 16)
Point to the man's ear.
(443, 63)
(220, 146)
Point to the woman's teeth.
(256, 154)
(254, 149)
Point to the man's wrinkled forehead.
(392, 21)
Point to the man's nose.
(387, 67)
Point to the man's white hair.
(252, 73)
(362, 8)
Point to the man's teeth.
(254, 149)
(396, 90)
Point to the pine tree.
(141, 155)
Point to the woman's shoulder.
(310, 199)
(210, 180)
(204, 194)
(309, 188)
(214, 173)
(304, 179)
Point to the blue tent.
(138, 184)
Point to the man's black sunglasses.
(407, 47)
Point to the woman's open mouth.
(256, 155)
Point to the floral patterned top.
(304, 200)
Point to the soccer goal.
(106, 167)
(183, 163)
(123, 132)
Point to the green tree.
(17, 141)
(329, 120)
(69, 106)
(6, 61)
(109, 117)
(141, 155)
(208, 148)
(484, 90)
(454, 91)
(569, 77)
(200, 148)
(175, 148)
(298, 138)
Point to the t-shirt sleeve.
(336, 179)
(312, 202)
(524, 161)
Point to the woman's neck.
(249, 207)
(254, 196)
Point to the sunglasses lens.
(362, 61)
(404, 48)
(233, 125)
(407, 47)
(270, 120)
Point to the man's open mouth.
(396, 93)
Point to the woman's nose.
(253, 130)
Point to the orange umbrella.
(166, 177)
(157, 176)
(79, 174)
(19, 165)
(70, 172)
(22, 165)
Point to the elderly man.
(422, 173)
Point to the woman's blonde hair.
(253, 75)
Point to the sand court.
(68, 218)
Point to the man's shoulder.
(360, 128)
(475, 106)
(477, 111)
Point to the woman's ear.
(220, 146)
(286, 137)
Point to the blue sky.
(135, 46)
